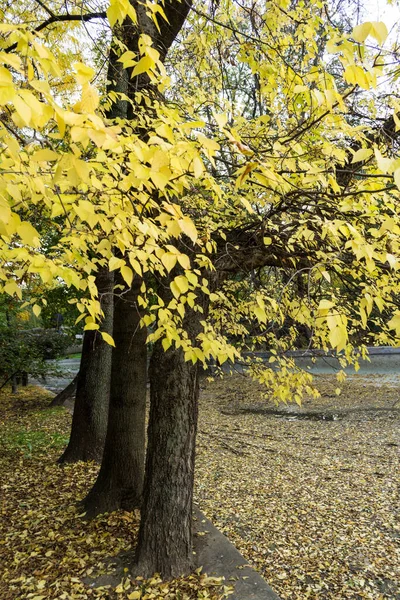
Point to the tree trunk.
(89, 422)
(165, 535)
(66, 394)
(120, 480)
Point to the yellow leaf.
(136, 595)
(325, 305)
(127, 274)
(221, 119)
(115, 263)
(198, 167)
(127, 59)
(175, 289)
(188, 228)
(22, 109)
(84, 73)
(386, 165)
(36, 310)
(91, 326)
(394, 323)
(11, 59)
(7, 92)
(361, 32)
(135, 265)
(169, 260)
(12, 288)
(396, 176)
(247, 205)
(5, 211)
(144, 65)
(356, 75)
(182, 283)
(260, 314)
(166, 343)
(379, 31)
(376, 29)
(44, 155)
(362, 154)
(28, 234)
(184, 261)
(85, 211)
(107, 338)
(338, 337)
(160, 178)
(89, 101)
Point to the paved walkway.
(218, 557)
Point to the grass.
(31, 442)
(76, 355)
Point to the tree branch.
(61, 19)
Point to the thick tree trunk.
(165, 535)
(66, 394)
(120, 480)
(89, 422)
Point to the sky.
(380, 10)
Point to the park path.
(69, 368)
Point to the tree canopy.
(266, 139)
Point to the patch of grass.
(29, 426)
(31, 442)
(52, 411)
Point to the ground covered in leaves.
(46, 549)
(310, 496)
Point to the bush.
(28, 351)
(50, 343)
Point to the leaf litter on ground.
(312, 504)
(46, 549)
(310, 495)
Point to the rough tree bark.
(165, 535)
(66, 394)
(89, 422)
(120, 480)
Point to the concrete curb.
(219, 558)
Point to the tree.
(89, 423)
(162, 202)
(66, 394)
(120, 480)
